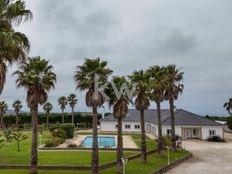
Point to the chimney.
(103, 112)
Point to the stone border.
(173, 164)
(84, 149)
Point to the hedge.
(83, 120)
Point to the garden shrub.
(59, 133)
(69, 129)
(215, 139)
(53, 142)
(72, 145)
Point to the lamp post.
(168, 147)
(40, 140)
(124, 161)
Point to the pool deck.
(128, 141)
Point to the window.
(212, 132)
(169, 131)
(137, 126)
(116, 126)
(127, 126)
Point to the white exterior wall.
(218, 130)
(109, 126)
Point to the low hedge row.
(83, 120)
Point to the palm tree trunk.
(171, 102)
(143, 138)
(34, 155)
(73, 115)
(17, 121)
(160, 141)
(2, 121)
(94, 163)
(62, 116)
(47, 124)
(120, 146)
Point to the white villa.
(188, 125)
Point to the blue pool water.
(102, 142)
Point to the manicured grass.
(9, 155)
(132, 167)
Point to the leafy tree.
(14, 46)
(3, 109)
(72, 100)
(157, 86)
(173, 88)
(16, 135)
(85, 77)
(47, 107)
(62, 101)
(37, 77)
(120, 109)
(228, 106)
(142, 103)
(17, 105)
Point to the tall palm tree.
(173, 88)
(62, 101)
(17, 105)
(72, 100)
(142, 103)
(120, 109)
(85, 77)
(3, 109)
(13, 45)
(37, 77)
(156, 82)
(47, 107)
(228, 106)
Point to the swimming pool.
(103, 141)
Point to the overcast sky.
(133, 35)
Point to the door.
(188, 133)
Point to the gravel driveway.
(209, 158)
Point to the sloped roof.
(182, 117)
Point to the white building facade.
(188, 125)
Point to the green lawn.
(9, 155)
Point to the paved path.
(209, 158)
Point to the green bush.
(69, 129)
(215, 139)
(60, 133)
(229, 122)
(53, 142)
(72, 145)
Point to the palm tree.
(72, 100)
(62, 101)
(120, 109)
(17, 105)
(228, 106)
(142, 103)
(37, 77)
(173, 87)
(85, 77)
(47, 107)
(3, 109)
(13, 45)
(156, 76)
